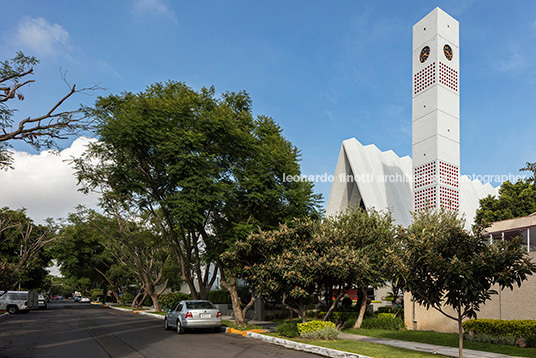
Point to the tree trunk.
(154, 298)
(359, 320)
(230, 284)
(460, 333)
(139, 304)
(334, 304)
(135, 300)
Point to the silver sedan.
(193, 314)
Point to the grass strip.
(443, 339)
(364, 348)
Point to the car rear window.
(199, 305)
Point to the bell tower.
(436, 112)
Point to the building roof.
(371, 178)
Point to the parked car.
(85, 299)
(18, 301)
(42, 302)
(193, 314)
(77, 298)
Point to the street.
(76, 330)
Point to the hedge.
(170, 299)
(340, 317)
(497, 327)
(219, 296)
(389, 323)
(313, 326)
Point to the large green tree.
(41, 130)
(303, 258)
(205, 169)
(23, 257)
(84, 259)
(443, 265)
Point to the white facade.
(436, 112)
(371, 178)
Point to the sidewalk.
(414, 346)
(422, 347)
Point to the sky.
(325, 71)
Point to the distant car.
(77, 298)
(42, 302)
(85, 299)
(193, 314)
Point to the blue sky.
(325, 71)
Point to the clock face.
(425, 52)
(447, 50)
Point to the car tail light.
(218, 315)
(26, 303)
(189, 315)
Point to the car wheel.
(180, 329)
(166, 325)
(12, 309)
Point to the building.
(507, 304)
(371, 178)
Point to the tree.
(132, 243)
(40, 131)
(442, 264)
(515, 200)
(203, 168)
(83, 259)
(22, 255)
(370, 234)
(304, 257)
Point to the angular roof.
(371, 178)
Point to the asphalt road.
(77, 330)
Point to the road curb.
(4, 315)
(326, 352)
(137, 312)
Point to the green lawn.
(365, 348)
(130, 308)
(443, 339)
(161, 313)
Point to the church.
(371, 178)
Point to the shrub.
(328, 332)
(488, 338)
(170, 299)
(219, 296)
(126, 298)
(346, 302)
(530, 341)
(312, 326)
(496, 327)
(386, 315)
(385, 309)
(388, 323)
(288, 329)
(340, 318)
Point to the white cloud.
(42, 37)
(44, 183)
(156, 8)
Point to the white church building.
(368, 177)
(371, 178)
